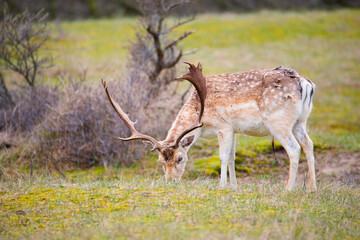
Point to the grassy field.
(133, 207)
(135, 203)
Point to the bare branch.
(174, 62)
(180, 23)
(174, 5)
(190, 52)
(173, 43)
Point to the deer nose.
(174, 181)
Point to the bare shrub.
(82, 129)
(22, 37)
(30, 107)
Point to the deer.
(260, 102)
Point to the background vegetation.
(66, 9)
(128, 198)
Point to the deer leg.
(292, 147)
(225, 147)
(308, 148)
(232, 173)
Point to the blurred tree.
(92, 8)
(154, 53)
(22, 37)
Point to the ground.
(133, 207)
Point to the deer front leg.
(225, 151)
(233, 183)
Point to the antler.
(196, 77)
(130, 124)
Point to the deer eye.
(179, 159)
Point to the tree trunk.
(5, 98)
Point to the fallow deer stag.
(258, 102)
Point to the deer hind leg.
(292, 147)
(307, 145)
(226, 138)
(293, 150)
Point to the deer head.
(172, 157)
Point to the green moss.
(243, 169)
(239, 160)
(245, 153)
(208, 166)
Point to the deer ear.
(187, 141)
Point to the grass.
(133, 207)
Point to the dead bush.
(31, 105)
(82, 129)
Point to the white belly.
(244, 118)
(253, 127)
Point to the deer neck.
(187, 116)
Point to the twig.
(179, 39)
(53, 162)
(190, 52)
